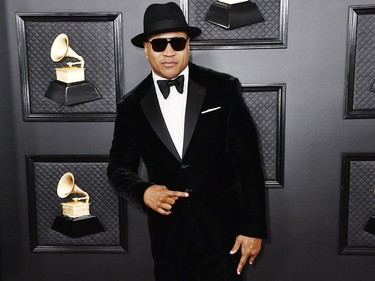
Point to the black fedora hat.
(162, 18)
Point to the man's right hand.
(161, 199)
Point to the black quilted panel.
(266, 110)
(363, 98)
(95, 38)
(271, 33)
(270, 10)
(89, 176)
(361, 203)
(360, 69)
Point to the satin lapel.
(196, 94)
(151, 108)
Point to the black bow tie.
(165, 85)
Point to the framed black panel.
(360, 63)
(43, 175)
(267, 106)
(357, 204)
(97, 37)
(272, 33)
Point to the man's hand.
(161, 199)
(250, 248)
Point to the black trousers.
(199, 269)
(195, 261)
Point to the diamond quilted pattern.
(361, 203)
(92, 40)
(363, 98)
(264, 109)
(91, 177)
(269, 29)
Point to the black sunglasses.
(160, 44)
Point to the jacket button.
(184, 166)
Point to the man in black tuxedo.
(205, 193)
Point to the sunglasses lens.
(178, 44)
(160, 44)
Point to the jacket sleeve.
(244, 148)
(124, 163)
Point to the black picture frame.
(43, 175)
(266, 104)
(357, 204)
(97, 37)
(360, 63)
(270, 34)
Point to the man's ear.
(188, 43)
(145, 49)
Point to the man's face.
(167, 63)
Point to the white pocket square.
(211, 109)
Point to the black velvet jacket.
(221, 163)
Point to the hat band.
(166, 24)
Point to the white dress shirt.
(173, 109)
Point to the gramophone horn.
(66, 186)
(60, 49)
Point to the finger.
(165, 206)
(163, 212)
(252, 259)
(169, 200)
(235, 247)
(171, 193)
(241, 264)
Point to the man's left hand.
(250, 248)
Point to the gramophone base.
(73, 93)
(235, 15)
(373, 87)
(77, 227)
(370, 227)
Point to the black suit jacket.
(221, 163)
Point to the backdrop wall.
(304, 216)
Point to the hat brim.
(192, 32)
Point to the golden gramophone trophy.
(231, 14)
(70, 86)
(370, 226)
(75, 220)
